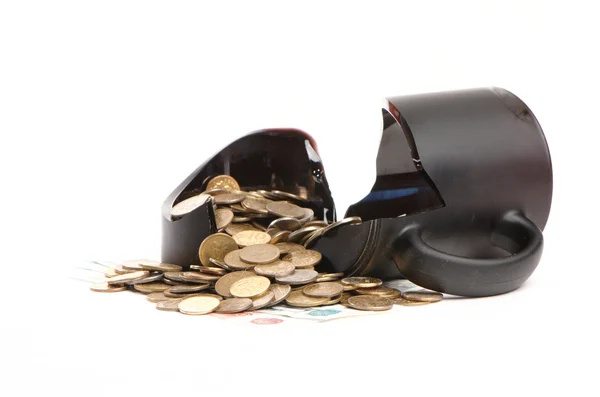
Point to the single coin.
(304, 259)
(136, 264)
(275, 269)
(239, 210)
(186, 289)
(299, 299)
(290, 224)
(326, 290)
(281, 291)
(263, 300)
(423, 296)
(119, 269)
(234, 305)
(172, 305)
(280, 236)
(155, 297)
(128, 277)
(241, 219)
(345, 297)
(399, 300)
(316, 222)
(259, 226)
(233, 261)
(229, 198)
(214, 192)
(333, 300)
(198, 305)
(285, 209)
(362, 282)
(250, 237)
(259, 253)
(249, 287)
(111, 272)
(223, 217)
(267, 194)
(353, 220)
(197, 277)
(300, 276)
(287, 247)
(161, 267)
(217, 271)
(286, 195)
(370, 303)
(299, 234)
(216, 246)
(219, 297)
(224, 284)
(188, 205)
(379, 291)
(154, 276)
(225, 182)
(105, 287)
(326, 279)
(174, 276)
(171, 282)
(255, 204)
(309, 215)
(336, 275)
(235, 228)
(349, 287)
(151, 287)
(220, 264)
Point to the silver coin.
(297, 235)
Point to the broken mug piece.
(463, 190)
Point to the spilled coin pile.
(258, 258)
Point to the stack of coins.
(258, 258)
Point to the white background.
(106, 106)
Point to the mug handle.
(457, 275)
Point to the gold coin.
(304, 259)
(223, 285)
(333, 300)
(275, 269)
(259, 253)
(370, 303)
(323, 290)
(223, 217)
(264, 299)
(316, 223)
(345, 297)
(286, 248)
(229, 198)
(309, 215)
(174, 276)
(290, 224)
(216, 246)
(151, 287)
(399, 300)
(136, 264)
(280, 237)
(250, 237)
(219, 297)
(235, 228)
(198, 305)
(128, 277)
(220, 264)
(154, 276)
(286, 195)
(197, 277)
(248, 287)
(233, 261)
(241, 219)
(190, 204)
(353, 220)
(300, 276)
(161, 267)
(299, 299)
(299, 234)
(223, 182)
(172, 305)
(186, 289)
(362, 282)
(111, 272)
(119, 269)
(256, 204)
(155, 297)
(215, 192)
(379, 291)
(423, 296)
(349, 287)
(217, 271)
(105, 287)
(280, 292)
(234, 305)
(285, 209)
